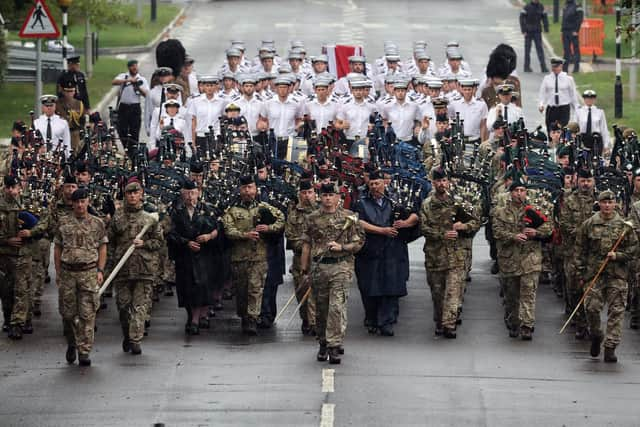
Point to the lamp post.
(64, 6)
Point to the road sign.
(39, 23)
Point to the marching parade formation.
(200, 183)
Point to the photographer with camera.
(132, 86)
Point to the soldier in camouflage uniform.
(15, 260)
(443, 223)
(307, 203)
(519, 259)
(576, 208)
(135, 280)
(245, 228)
(634, 273)
(594, 243)
(80, 254)
(331, 236)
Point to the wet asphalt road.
(220, 378)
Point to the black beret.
(70, 179)
(584, 173)
(247, 179)
(442, 118)
(81, 167)
(187, 184)
(568, 170)
(555, 126)
(519, 182)
(19, 126)
(376, 174)
(10, 181)
(196, 167)
(438, 173)
(499, 123)
(565, 150)
(305, 184)
(80, 193)
(328, 189)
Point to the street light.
(64, 6)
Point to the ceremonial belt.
(79, 267)
(327, 260)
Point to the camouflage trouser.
(40, 262)
(330, 284)
(133, 298)
(78, 305)
(308, 309)
(248, 279)
(15, 289)
(520, 300)
(634, 288)
(574, 293)
(613, 292)
(446, 289)
(547, 264)
(167, 267)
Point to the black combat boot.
(334, 355)
(526, 333)
(70, 355)
(449, 333)
(610, 355)
(386, 331)
(323, 353)
(596, 340)
(83, 359)
(135, 348)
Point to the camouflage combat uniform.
(444, 259)
(79, 242)
(135, 280)
(576, 209)
(594, 239)
(248, 258)
(634, 271)
(293, 233)
(520, 264)
(331, 271)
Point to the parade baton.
(595, 278)
(285, 306)
(153, 219)
(349, 220)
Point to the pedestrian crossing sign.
(39, 23)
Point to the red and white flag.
(338, 56)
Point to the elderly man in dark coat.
(195, 241)
(382, 266)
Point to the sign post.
(39, 25)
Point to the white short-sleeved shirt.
(472, 113)
(207, 113)
(402, 118)
(250, 109)
(59, 132)
(127, 93)
(321, 113)
(282, 115)
(357, 114)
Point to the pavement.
(221, 378)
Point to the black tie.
(49, 136)
(171, 122)
(589, 122)
(557, 93)
(506, 115)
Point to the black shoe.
(582, 334)
(449, 333)
(70, 355)
(386, 331)
(334, 355)
(83, 360)
(494, 268)
(15, 333)
(513, 332)
(27, 328)
(203, 323)
(595, 346)
(37, 311)
(323, 353)
(126, 345)
(263, 323)
(372, 330)
(528, 70)
(251, 327)
(467, 279)
(194, 329)
(47, 279)
(526, 334)
(135, 348)
(610, 355)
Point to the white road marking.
(327, 380)
(327, 415)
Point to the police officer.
(74, 74)
(572, 16)
(591, 120)
(80, 255)
(533, 18)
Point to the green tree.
(100, 13)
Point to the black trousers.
(561, 114)
(280, 150)
(571, 47)
(129, 122)
(536, 38)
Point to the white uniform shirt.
(152, 101)
(472, 113)
(282, 115)
(598, 123)
(127, 94)
(357, 114)
(207, 113)
(160, 116)
(321, 113)
(402, 118)
(59, 131)
(250, 109)
(513, 113)
(567, 94)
